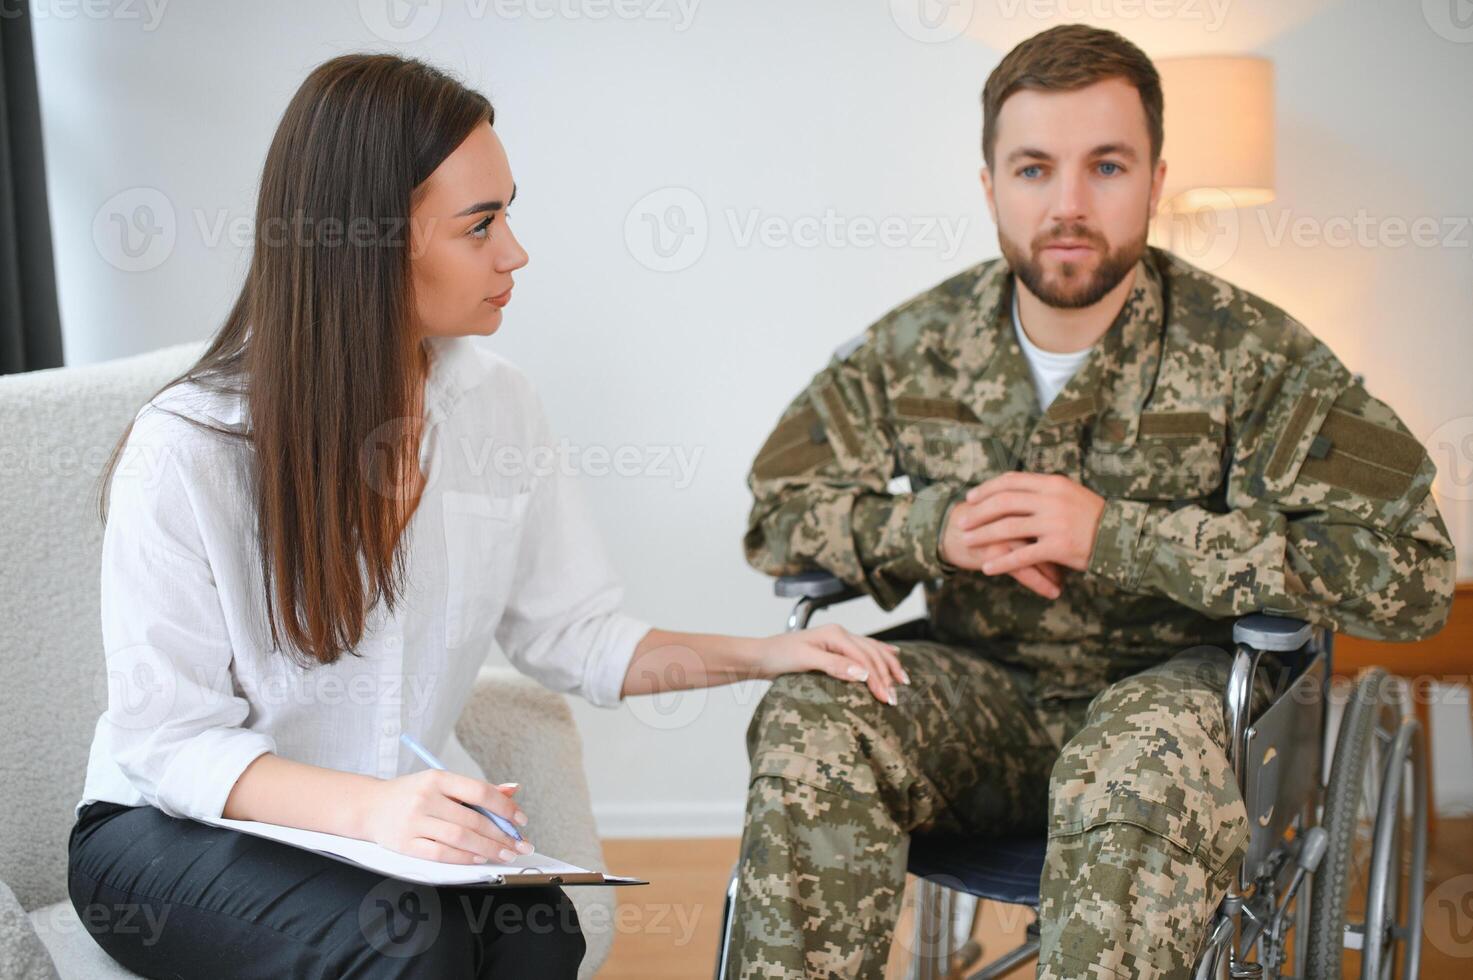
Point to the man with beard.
(1110, 455)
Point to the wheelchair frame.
(1280, 754)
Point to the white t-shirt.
(1051, 372)
(500, 550)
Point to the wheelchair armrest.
(1274, 634)
(814, 585)
(814, 591)
(1255, 635)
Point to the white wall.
(828, 117)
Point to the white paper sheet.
(378, 858)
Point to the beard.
(1072, 288)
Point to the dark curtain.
(30, 324)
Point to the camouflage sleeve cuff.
(944, 567)
(927, 521)
(1123, 543)
(897, 540)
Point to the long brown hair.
(321, 342)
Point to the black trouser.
(167, 897)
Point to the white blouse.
(500, 550)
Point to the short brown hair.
(1068, 57)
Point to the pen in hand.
(507, 827)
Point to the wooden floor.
(668, 928)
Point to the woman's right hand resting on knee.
(666, 661)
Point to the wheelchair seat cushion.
(1002, 869)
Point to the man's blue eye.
(1024, 172)
(1115, 167)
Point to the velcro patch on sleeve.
(833, 403)
(797, 445)
(1363, 457)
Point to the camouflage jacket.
(1243, 469)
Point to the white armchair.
(57, 428)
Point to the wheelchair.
(1335, 867)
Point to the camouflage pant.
(1145, 821)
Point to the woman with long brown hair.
(313, 537)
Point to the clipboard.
(528, 869)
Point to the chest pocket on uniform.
(941, 440)
(482, 536)
(1176, 456)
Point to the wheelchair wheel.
(1367, 898)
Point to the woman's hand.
(837, 652)
(421, 815)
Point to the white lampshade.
(1219, 139)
